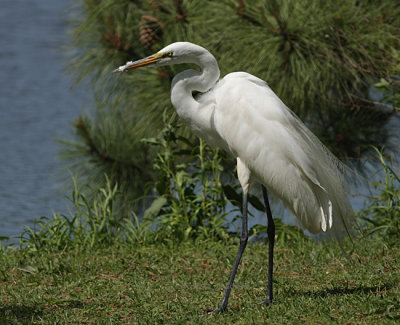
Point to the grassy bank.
(95, 268)
(148, 284)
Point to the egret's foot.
(266, 302)
(217, 311)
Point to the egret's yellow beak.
(139, 63)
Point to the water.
(37, 105)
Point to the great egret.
(243, 116)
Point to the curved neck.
(184, 83)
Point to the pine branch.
(83, 131)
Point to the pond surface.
(37, 105)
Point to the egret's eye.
(163, 55)
(167, 54)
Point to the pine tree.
(320, 57)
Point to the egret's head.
(175, 53)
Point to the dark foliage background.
(320, 57)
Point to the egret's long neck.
(188, 81)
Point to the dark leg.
(243, 243)
(271, 241)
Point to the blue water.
(37, 105)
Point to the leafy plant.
(382, 214)
(191, 201)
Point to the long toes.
(216, 311)
(266, 302)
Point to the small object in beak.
(120, 69)
(139, 63)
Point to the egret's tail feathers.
(323, 220)
(326, 217)
(325, 205)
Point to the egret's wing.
(281, 152)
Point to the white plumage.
(242, 115)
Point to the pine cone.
(150, 30)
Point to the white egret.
(243, 116)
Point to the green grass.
(122, 284)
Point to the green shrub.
(382, 214)
(190, 200)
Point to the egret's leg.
(243, 242)
(271, 241)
